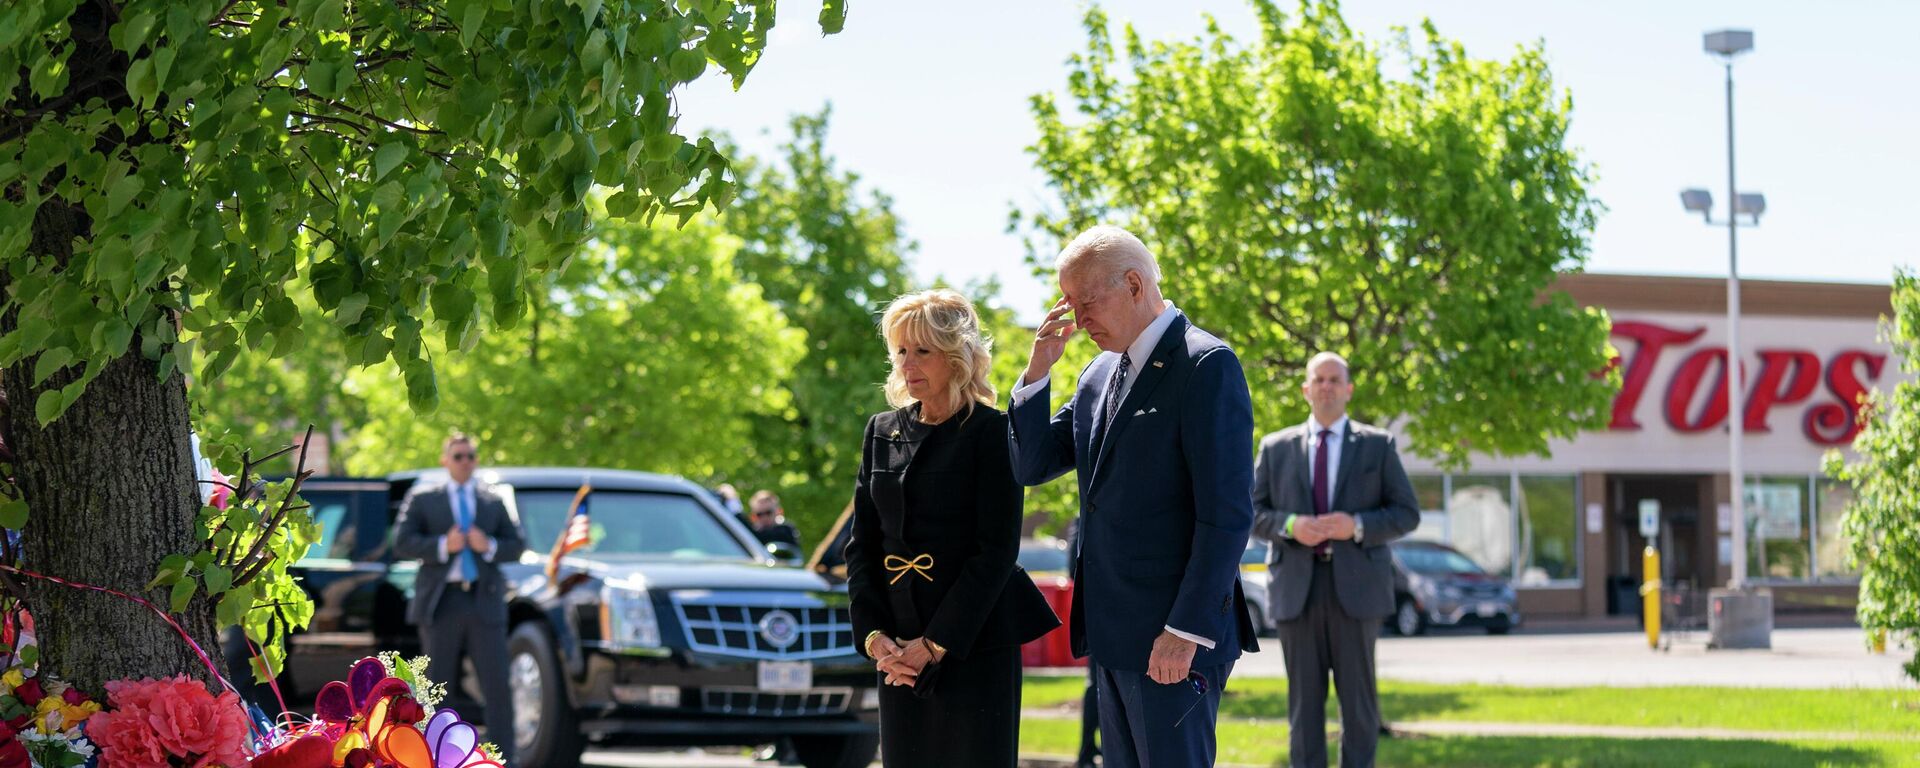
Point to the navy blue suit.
(1165, 510)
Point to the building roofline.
(1708, 295)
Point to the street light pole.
(1739, 616)
(1736, 412)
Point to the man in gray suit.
(1330, 494)
(462, 531)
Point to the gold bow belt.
(900, 567)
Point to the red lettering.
(1639, 368)
(1837, 423)
(1686, 383)
(1769, 392)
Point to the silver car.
(1253, 581)
(1436, 585)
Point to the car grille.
(735, 624)
(725, 700)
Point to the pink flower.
(150, 721)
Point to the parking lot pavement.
(1800, 658)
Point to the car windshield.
(630, 523)
(1043, 557)
(1436, 561)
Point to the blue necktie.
(468, 570)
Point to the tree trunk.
(111, 491)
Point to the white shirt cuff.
(1196, 639)
(492, 545)
(442, 544)
(1021, 394)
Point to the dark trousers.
(456, 630)
(971, 719)
(1144, 724)
(1322, 639)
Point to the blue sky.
(930, 106)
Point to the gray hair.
(1107, 252)
(1316, 360)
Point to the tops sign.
(1821, 394)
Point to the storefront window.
(1480, 520)
(1777, 529)
(1430, 491)
(1549, 530)
(1830, 544)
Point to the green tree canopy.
(742, 348)
(1882, 522)
(830, 255)
(1300, 199)
(648, 352)
(173, 168)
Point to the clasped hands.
(472, 539)
(902, 661)
(1312, 530)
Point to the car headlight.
(627, 619)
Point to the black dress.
(936, 529)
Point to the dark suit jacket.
(425, 516)
(1163, 499)
(1370, 485)
(945, 492)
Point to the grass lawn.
(1266, 744)
(1253, 729)
(1863, 711)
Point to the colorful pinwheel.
(448, 743)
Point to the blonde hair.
(942, 320)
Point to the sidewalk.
(1800, 658)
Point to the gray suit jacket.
(425, 516)
(1370, 485)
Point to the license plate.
(1488, 609)
(786, 675)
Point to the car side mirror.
(783, 551)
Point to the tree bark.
(111, 491)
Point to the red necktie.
(1322, 498)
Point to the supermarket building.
(1565, 528)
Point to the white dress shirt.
(1334, 443)
(1137, 354)
(466, 492)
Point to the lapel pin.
(896, 433)
(1153, 410)
(1158, 364)
(1139, 413)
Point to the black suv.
(673, 628)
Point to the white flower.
(202, 471)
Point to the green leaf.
(833, 16)
(50, 362)
(122, 192)
(140, 83)
(181, 594)
(48, 406)
(172, 567)
(386, 157)
(218, 579)
(13, 514)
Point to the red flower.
(152, 720)
(30, 692)
(73, 697)
(13, 754)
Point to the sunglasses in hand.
(1199, 684)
